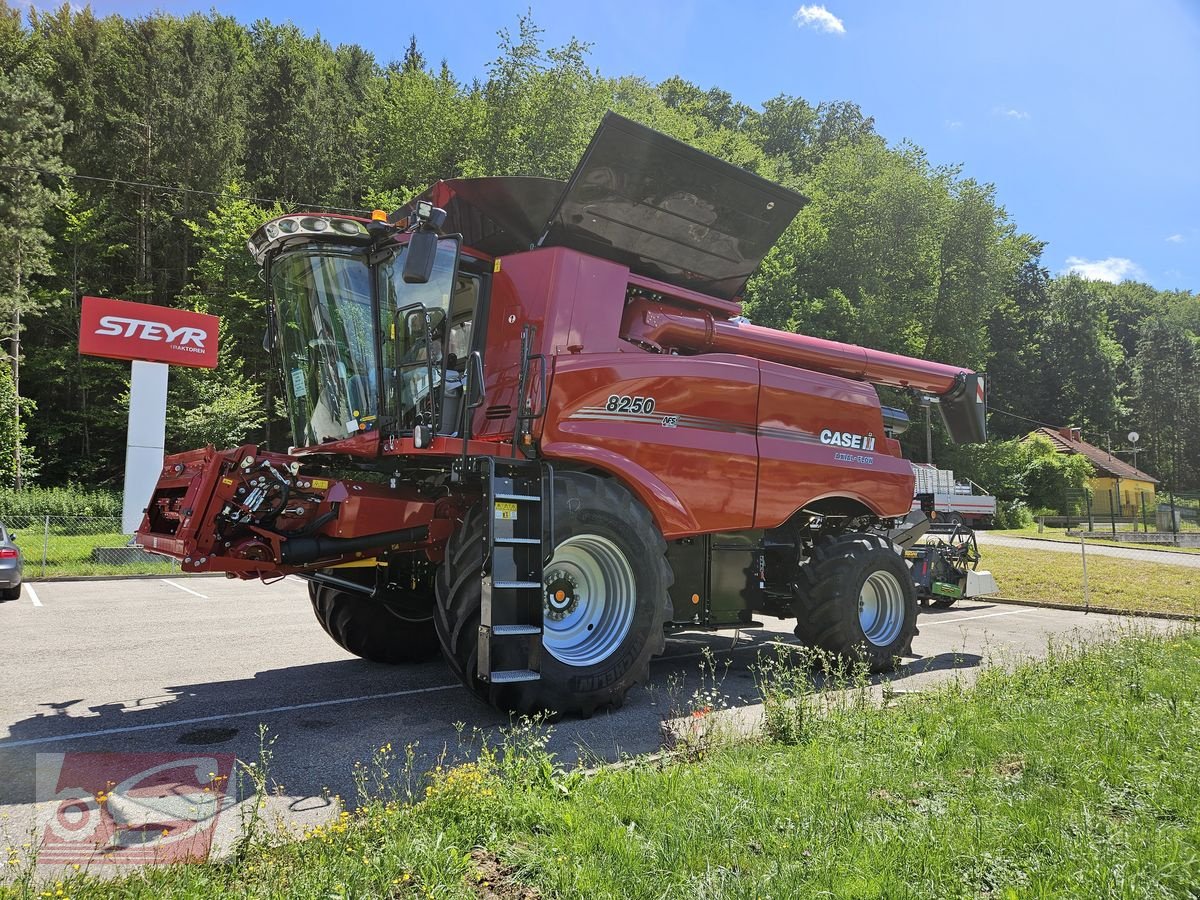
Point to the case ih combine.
(532, 429)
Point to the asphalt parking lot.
(196, 665)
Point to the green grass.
(71, 554)
(1128, 585)
(1073, 777)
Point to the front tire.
(855, 598)
(389, 631)
(605, 601)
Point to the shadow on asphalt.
(327, 715)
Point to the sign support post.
(145, 446)
(153, 338)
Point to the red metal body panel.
(573, 300)
(699, 474)
(795, 468)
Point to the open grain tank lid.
(669, 211)
(637, 197)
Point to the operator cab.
(364, 344)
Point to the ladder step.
(516, 584)
(501, 540)
(532, 497)
(509, 675)
(516, 629)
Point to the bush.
(1012, 514)
(71, 500)
(1029, 470)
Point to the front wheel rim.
(881, 608)
(589, 600)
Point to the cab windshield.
(351, 364)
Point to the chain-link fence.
(80, 545)
(1096, 570)
(1128, 514)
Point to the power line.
(1023, 418)
(143, 185)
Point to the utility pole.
(144, 203)
(927, 403)
(16, 363)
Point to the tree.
(12, 431)
(1166, 394)
(31, 134)
(225, 283)
(1081, 361)
(414, 59)
(1014, 328)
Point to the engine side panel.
(797, 468)
(679, 431)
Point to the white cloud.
(1176, 239)
(1113, 269)
(953, 124)
(819, 18)
(1011, 112)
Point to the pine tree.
(31, 170)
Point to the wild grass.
(1076, 776)
(69, 500)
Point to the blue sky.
(1085, 114)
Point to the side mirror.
(418, 261)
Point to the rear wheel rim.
(881, 608)
(588, 602)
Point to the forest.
(138, 154)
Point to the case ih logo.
(122, 330)
(131, 807)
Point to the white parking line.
(182, 588)
(32, 594)
(104, 732)
(1015, 612)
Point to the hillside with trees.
(137, 155)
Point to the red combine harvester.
(532, 430)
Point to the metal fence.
(80, 545)
(1131, 572)
(1141, 517)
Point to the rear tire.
(384, 631)
(11, 593)
(855, 598)
(609, 546)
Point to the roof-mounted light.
(268, 236)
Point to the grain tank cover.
(669, 211)
(497, 215)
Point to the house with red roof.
(1117, 485)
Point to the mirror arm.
(475, 380)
